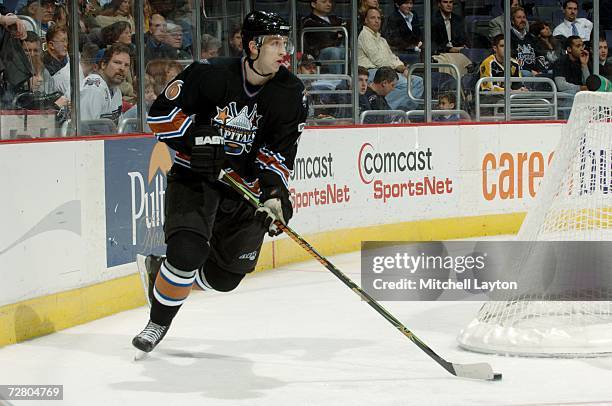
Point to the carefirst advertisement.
(357, 177)
(135, 179)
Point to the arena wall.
(75, 213)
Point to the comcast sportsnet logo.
(373, 164)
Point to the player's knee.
(187, 251)
(220, 279)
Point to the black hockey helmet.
(259, 23)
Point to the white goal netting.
(574, 203)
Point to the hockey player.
(249, 114)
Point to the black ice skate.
(150, 337)
(148, 267)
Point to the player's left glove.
(275, 206)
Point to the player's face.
(406, 7)
(116, 69)
(373, 20)
(363, 84)
(272, 53)
(571, 11)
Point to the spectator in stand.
(36, 97)
(571, 25)
(496, 25)
(572, 69)
(88, 60)
(174, 39)
(364, 5)
(385, 81)
(60, 15)
(605, 66)
(447, 29)
(374, 52)
(524, 46)
(447, 101)
(546, 45)
(163, 71)
(56, 60)
(15, 66)
(41, 11)
(155, 39)
(324, 45)
(210, 47)
(121, 32)
(100, 94)
(13, 26)
(116, 10)
(89, 9)
(448, 37)
(235, 41)
(402, 29)
(149, 97)
(493, 67)
(362, 75)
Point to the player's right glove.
(207, 152)
(275, 206)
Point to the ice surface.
(293, 336)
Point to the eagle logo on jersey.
(173, 90)
(238, 128)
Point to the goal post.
(574, 203)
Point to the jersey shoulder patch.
(173, 90)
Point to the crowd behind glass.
(551, 47)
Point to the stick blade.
(480, 370)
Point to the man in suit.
(402, 29)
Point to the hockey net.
(574, 204)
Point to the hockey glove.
(275, 206)
(207, 152)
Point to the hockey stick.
(474, 371)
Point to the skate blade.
(140, 355)
(142, 270)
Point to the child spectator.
(447, 101)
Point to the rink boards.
(75, 213)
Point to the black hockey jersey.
(261, 125)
